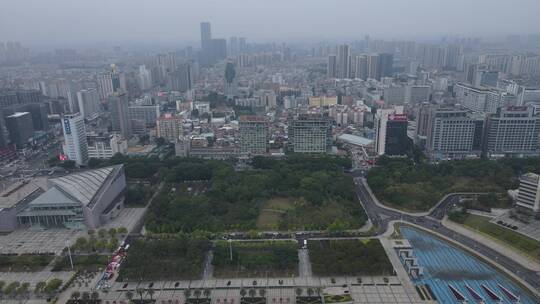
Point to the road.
(381, 217)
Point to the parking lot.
(532, 229)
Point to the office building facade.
(454, 133)
(310, 133)
(253, 135)
(513, 132)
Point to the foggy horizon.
(63, 23)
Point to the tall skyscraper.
(389, 125)
(230, 80)
(88, 101)
(344, 61)
(373, 66)
(331, 71)
(422, 119)
(253, 135)
(233, 46)
(120, 122)
(106, 86)
(386, 65)
(145, 78)
(181, 79)
(75, 143)
(206, 34)
(361, 70)
(212, 50)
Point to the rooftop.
(252, 118)
(18, 114)
(53, 196)
(21, 190)
(83, 186)
(355, 140)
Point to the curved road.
(381, 217)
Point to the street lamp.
(69, 254)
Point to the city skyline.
(173, 23)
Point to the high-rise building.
(118, 106)
(105, 84)
(422, 119)
(145, 78)
(331, 70)
(454, 133)
(218, 50)
(513, 131)
(89, 103)
(310, 133)
(230, 80)
(148, 114)
(373, 66)
(529, 192)
(390, 120)
(206, 34)
(233, 46)
(182, 78)
(386, 65)
(20, 128)
(168, 127)
(212, 50)
(361, 70)
(253, 135)
(75, 144)
(454, 57)
(343, 61)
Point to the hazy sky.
(72, 22)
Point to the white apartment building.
(75, 144)
(529, 192)
(105, 146)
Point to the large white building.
(479, 99)
(105, 146)
(88, 199)
(529, 192)
(75, 144)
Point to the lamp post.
(69, 254)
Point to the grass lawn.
(256, 259)
(337, 298)
(525, 245)
(348, 257)
(272, 212)
(174, 258)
